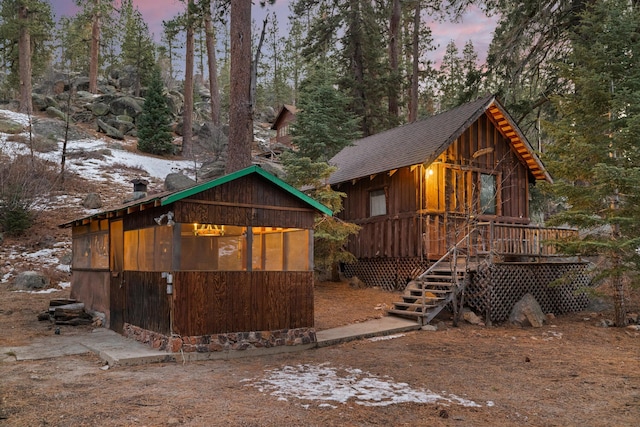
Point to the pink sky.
(473, 26)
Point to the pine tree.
(25, 28)
(154, 132)
(323, 126)
(596, 155)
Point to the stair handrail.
(443, 257)
(452, 250)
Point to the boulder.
(99, 109)
(177, 181)
(9, 126)
(125, 105)
(109, 130)
(527, 312)
(56, 113)
(30, 280)
(92, 201)
(470, 317)
(210, 170)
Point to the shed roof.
(166, 198)
(423, 141)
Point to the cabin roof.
(285, 107)
(166, 198)
(423, 141)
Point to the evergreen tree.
(595, 156)
(25, 28)
(137, 49)
(154, 131)
(323, 126)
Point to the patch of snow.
(64, 285)
(328, 384)
(44, 291)
(386, 337)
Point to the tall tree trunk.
(24, 59)
(394, 24)
(187, 115)
(240, 114)
(357, 64)
(256, 61)
(95, 48)
(413, 98)
(213, 67)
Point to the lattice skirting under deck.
(558, 287)
(387, 273)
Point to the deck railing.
(522, 240)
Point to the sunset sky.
(474, 25)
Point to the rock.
(29, 280)
(526, 312)
(470, 317)
(177, 181)
(99, 109)
(65, 258)
(9, 126)
(125, 105)
(356, 283)
(210, 170)
(92, 201)
(56, 113)
(109, 130)
(431, 328)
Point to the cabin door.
(117, 298)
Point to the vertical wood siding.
(426, 206)
(221, 302)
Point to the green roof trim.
(239, 174)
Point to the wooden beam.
(248, 205)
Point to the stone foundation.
(237, 341)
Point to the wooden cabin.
(226, 264)
(459, 180)
(281, 125)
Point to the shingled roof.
(423, 141)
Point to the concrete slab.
(116, 350)
(371, 328)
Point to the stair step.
(433, 291)
(413, 306)
(404, 313)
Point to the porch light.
(208, 230)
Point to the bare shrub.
(22, 180)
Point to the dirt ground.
(570, 372)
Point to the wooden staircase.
(426, 296)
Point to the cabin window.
(148, 249)
(488, 194)
(210, 247)
(377, 203)
(90, 246)
(280, 249)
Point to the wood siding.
(141, 299)
(428, 205)
(221, 302)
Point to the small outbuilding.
(226, 264)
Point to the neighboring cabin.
(226, 264)
(282, 125)
(458, 179)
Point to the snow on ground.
(99, 168)
(328, 384)
(94, 169)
